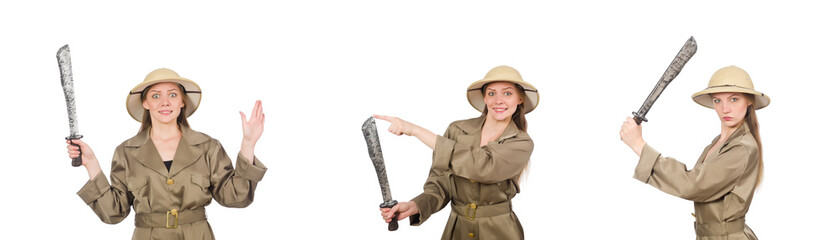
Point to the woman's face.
(501, 99)
(163, 102)
(730, 107)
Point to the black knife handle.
(77, 160)
(393, 225)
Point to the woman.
(730, 168)
(169, 172)
(477, 163)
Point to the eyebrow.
(733, 95)
(169, 90)
(506, 88)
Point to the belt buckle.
(470, 213)
(173, 212)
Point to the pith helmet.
(730, 79)
(192, 91)
(502, 74)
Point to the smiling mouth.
(166, 112)
(500, 110)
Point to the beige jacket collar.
(473, 127)
(735, 137)
(141, 147)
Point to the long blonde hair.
(754, 128)
(518, 118)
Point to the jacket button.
(471, 235)
(169, 181)
(472, 181)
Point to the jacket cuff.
(252, 172)
(94, 188)
(443, 153)
(646, 162)
(424, 211)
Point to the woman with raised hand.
(723, 181)
(169, 172)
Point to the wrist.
(247, 146)
(93, 170)
(639, 146)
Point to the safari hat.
(192, 90)
(730, 79)
(502, 74)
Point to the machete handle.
(393, 225)
(77, 160)
(639, 119)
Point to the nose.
(725, 107)
(499, 100)
(166, 101)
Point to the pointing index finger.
(383, 117)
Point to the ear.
(145, 105)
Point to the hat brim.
(474, 94)
(134, 103)
(704, 98)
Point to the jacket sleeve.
(707, 181)
(437, 190)
(233, 187)
(435, 197)
(495, 162)
(111, 202)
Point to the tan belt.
(472, 211)
(169, 219)
(720, 229)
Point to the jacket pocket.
(138, 187)
(198, 193)
(202, 182)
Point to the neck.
(726, 131)
(165, 130)
(496, 126)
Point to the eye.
(734, 99)
(491, 93)
(507, 93)
(171, 95)
(155, 96)
(716, 100)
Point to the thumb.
(243, 118)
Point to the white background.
(323, 67)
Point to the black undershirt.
(168, 164)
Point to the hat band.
(729, 85)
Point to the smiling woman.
(169, 172)
(477, 163)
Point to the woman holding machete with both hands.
(169, 172)
(730, 168)
(477, 163)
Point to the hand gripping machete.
(673, 70)
(66, 68)
(376, 154)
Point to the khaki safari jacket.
(170, 204)
(721, 184)
(479, 182)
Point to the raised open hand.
(253, 127)
(252, 130)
